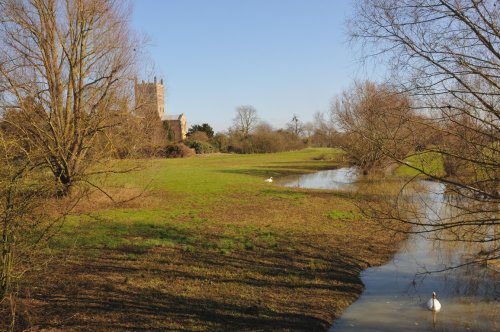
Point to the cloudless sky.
(283, 57)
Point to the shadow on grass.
(108, 233)
(111, 292)
(294, 192)
(263, 173)
(284, 168)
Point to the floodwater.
(338, 179)
(395, 293)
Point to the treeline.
(143, 137)
(247, 134)
(263, 139)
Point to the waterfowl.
(433, 304)
(269, 180)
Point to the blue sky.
(284, 57)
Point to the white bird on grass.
(269, 180)
(433, 304)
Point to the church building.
(150, 99)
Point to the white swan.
(433, 304)
(269, 180)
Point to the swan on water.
(433, 304)
(269, 180)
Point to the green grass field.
(430, 162)
(206, 244)
(193, 186)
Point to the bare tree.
(246, 119)
(371, 116)
(295, 125)
(62, 70)
(444, 54)
(63, 65)
(308, 129)
(323, 129)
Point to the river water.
(395, 293)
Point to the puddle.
(338, 179)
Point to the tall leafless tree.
(62, 87)
(323, 131)
(63, 70)
(444, 54)
(373, 115)
(246, 119)
(295, 125)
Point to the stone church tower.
(150, 97)
(150, 103)
(150, 108)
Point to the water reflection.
(396, 292)
(338, 179)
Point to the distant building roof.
(172, 117)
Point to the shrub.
(199, 146)
(178, 151)
(198, 136)
(151, 151)
(265, 140)
(220, 142)
(204, 128)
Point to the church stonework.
(178, 125)
(150, 98)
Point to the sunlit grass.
(430, 162)
(198, 192)
(215, 173)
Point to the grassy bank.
(430, 162)
(207, 245)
